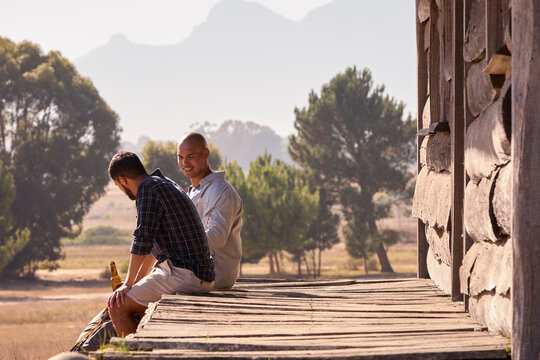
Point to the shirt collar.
(215, 175)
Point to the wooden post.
(421, 66)
(457, 143)
(526, 178)
(494, 27)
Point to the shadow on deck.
(343, 319)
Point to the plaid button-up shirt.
(169, 227)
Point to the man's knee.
(127, 309)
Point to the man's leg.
(122, 317)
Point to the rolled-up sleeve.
(148, 213)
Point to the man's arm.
(136, 262)
(147, 264)
(221, 219)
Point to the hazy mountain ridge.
(247, 62)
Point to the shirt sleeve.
(221, 219)
(148, 214)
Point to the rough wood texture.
(432, 194)
(372, 319)
(500, 64)
(439, 243)
(493, 311)
(506, 21)
(439, 272)
(477, 213)
(487, 142)
(422, 10)
(494, 27)
(457, 135)
(427, 27)
(492, 269)
(526, 179)
(438, 151)
(480, 91)
(426, 115)
(475, 32)
(422, 143)
(465, 269)
(502, 199)
(423, 93)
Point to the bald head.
(193, 156)
(194, 138)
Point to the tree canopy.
(57, 136)
(356, 141)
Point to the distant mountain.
(244, 141)
(247, 62)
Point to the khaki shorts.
(165, 278)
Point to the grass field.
(43, 317)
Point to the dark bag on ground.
(98, 332)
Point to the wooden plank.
(408, 318)
(422, 84)
(526, 188)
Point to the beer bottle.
(116, 282)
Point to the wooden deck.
(344, 319)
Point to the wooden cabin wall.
(433, 194)
(467, 50)
(486, 273)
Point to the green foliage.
(162, 155)
(11, 246)
(104, 235)
(57, 138)
(354, 138)
(278, 209)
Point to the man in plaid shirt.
(168, 230)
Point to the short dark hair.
(126, 164)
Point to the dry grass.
(34, 328)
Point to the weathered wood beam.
(526, 188)
(494, 27)
(457, 146)
(475, 33)
(421, 64)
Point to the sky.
(65, 24)
(76, 27)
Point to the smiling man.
(218, 204)
(168, 230)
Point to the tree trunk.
(271, 263)
(319, 264)
(277, 264)
(383, 259)
(365, 265)
(381, 252)
(299, 264)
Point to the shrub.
(104, 235)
